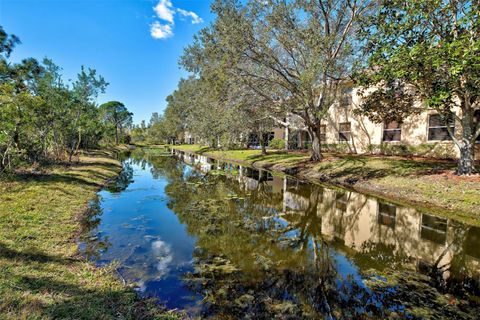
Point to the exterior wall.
(278, 133)
(189, 138)
(367, 137)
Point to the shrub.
(435, 150)
(277, 143)
(341, 147)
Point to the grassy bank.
(42, 275)
(426, 183)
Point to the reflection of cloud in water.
(165, 257)
(141, 286)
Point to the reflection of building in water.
(434, 229)
(362, 222)
(253, 180)
(296, 197)
(472, 243)
(387, 214)
(205, 164)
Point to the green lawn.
(422, 182)
(369, 167)
(246, 155)
(42, 275)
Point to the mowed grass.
(418, 181)
(42, 274)
(422, 181)
(246, 155)
(370, 167)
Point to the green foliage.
(434, 150)
(42, 118)
(278, 58)
(116, 116)
(428, 50)
(277, 143)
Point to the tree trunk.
(466, 164)
(262, 144)
(287, 133)
(116, 135)
(121, 133)
(316, 153)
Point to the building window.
(344, 132)
(438, 127)
(434, 229)
(392, 131)
(323, 132)
(346, 97)
(341, 200)
(387, 214)
(472, 243)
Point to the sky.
(134, 44)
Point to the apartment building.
(425, 134)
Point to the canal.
(225, 241)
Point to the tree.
(41, 117)
(294, 55)
(428, 49)
(116, 114)
(82, 105)
(155, 118)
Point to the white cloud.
(160, 31)
(163, 252)
(164, 10)
(195, 18)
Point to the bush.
(435, 150)
(341, 147)
(277, 143)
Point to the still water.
(226, 241)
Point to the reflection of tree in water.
(124, 179)
(91, 241)
(308, 223)
(246, 264)
(424, 292)
(455, 276)
(256, 258)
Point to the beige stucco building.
(422, 135)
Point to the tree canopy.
(426, 50)
(42, 118)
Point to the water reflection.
(124, 179)
(368, 233)
(92, 242)
(145, 239)
(228, 240)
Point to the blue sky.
(134, 44)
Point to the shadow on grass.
(69, 177)
(278, 156)
(82, 303)
(37, 294)
(367, 167)
(27, 256)
(78, 303)
(202, 150)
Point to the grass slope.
(42, 276)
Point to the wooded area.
(45, 119)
